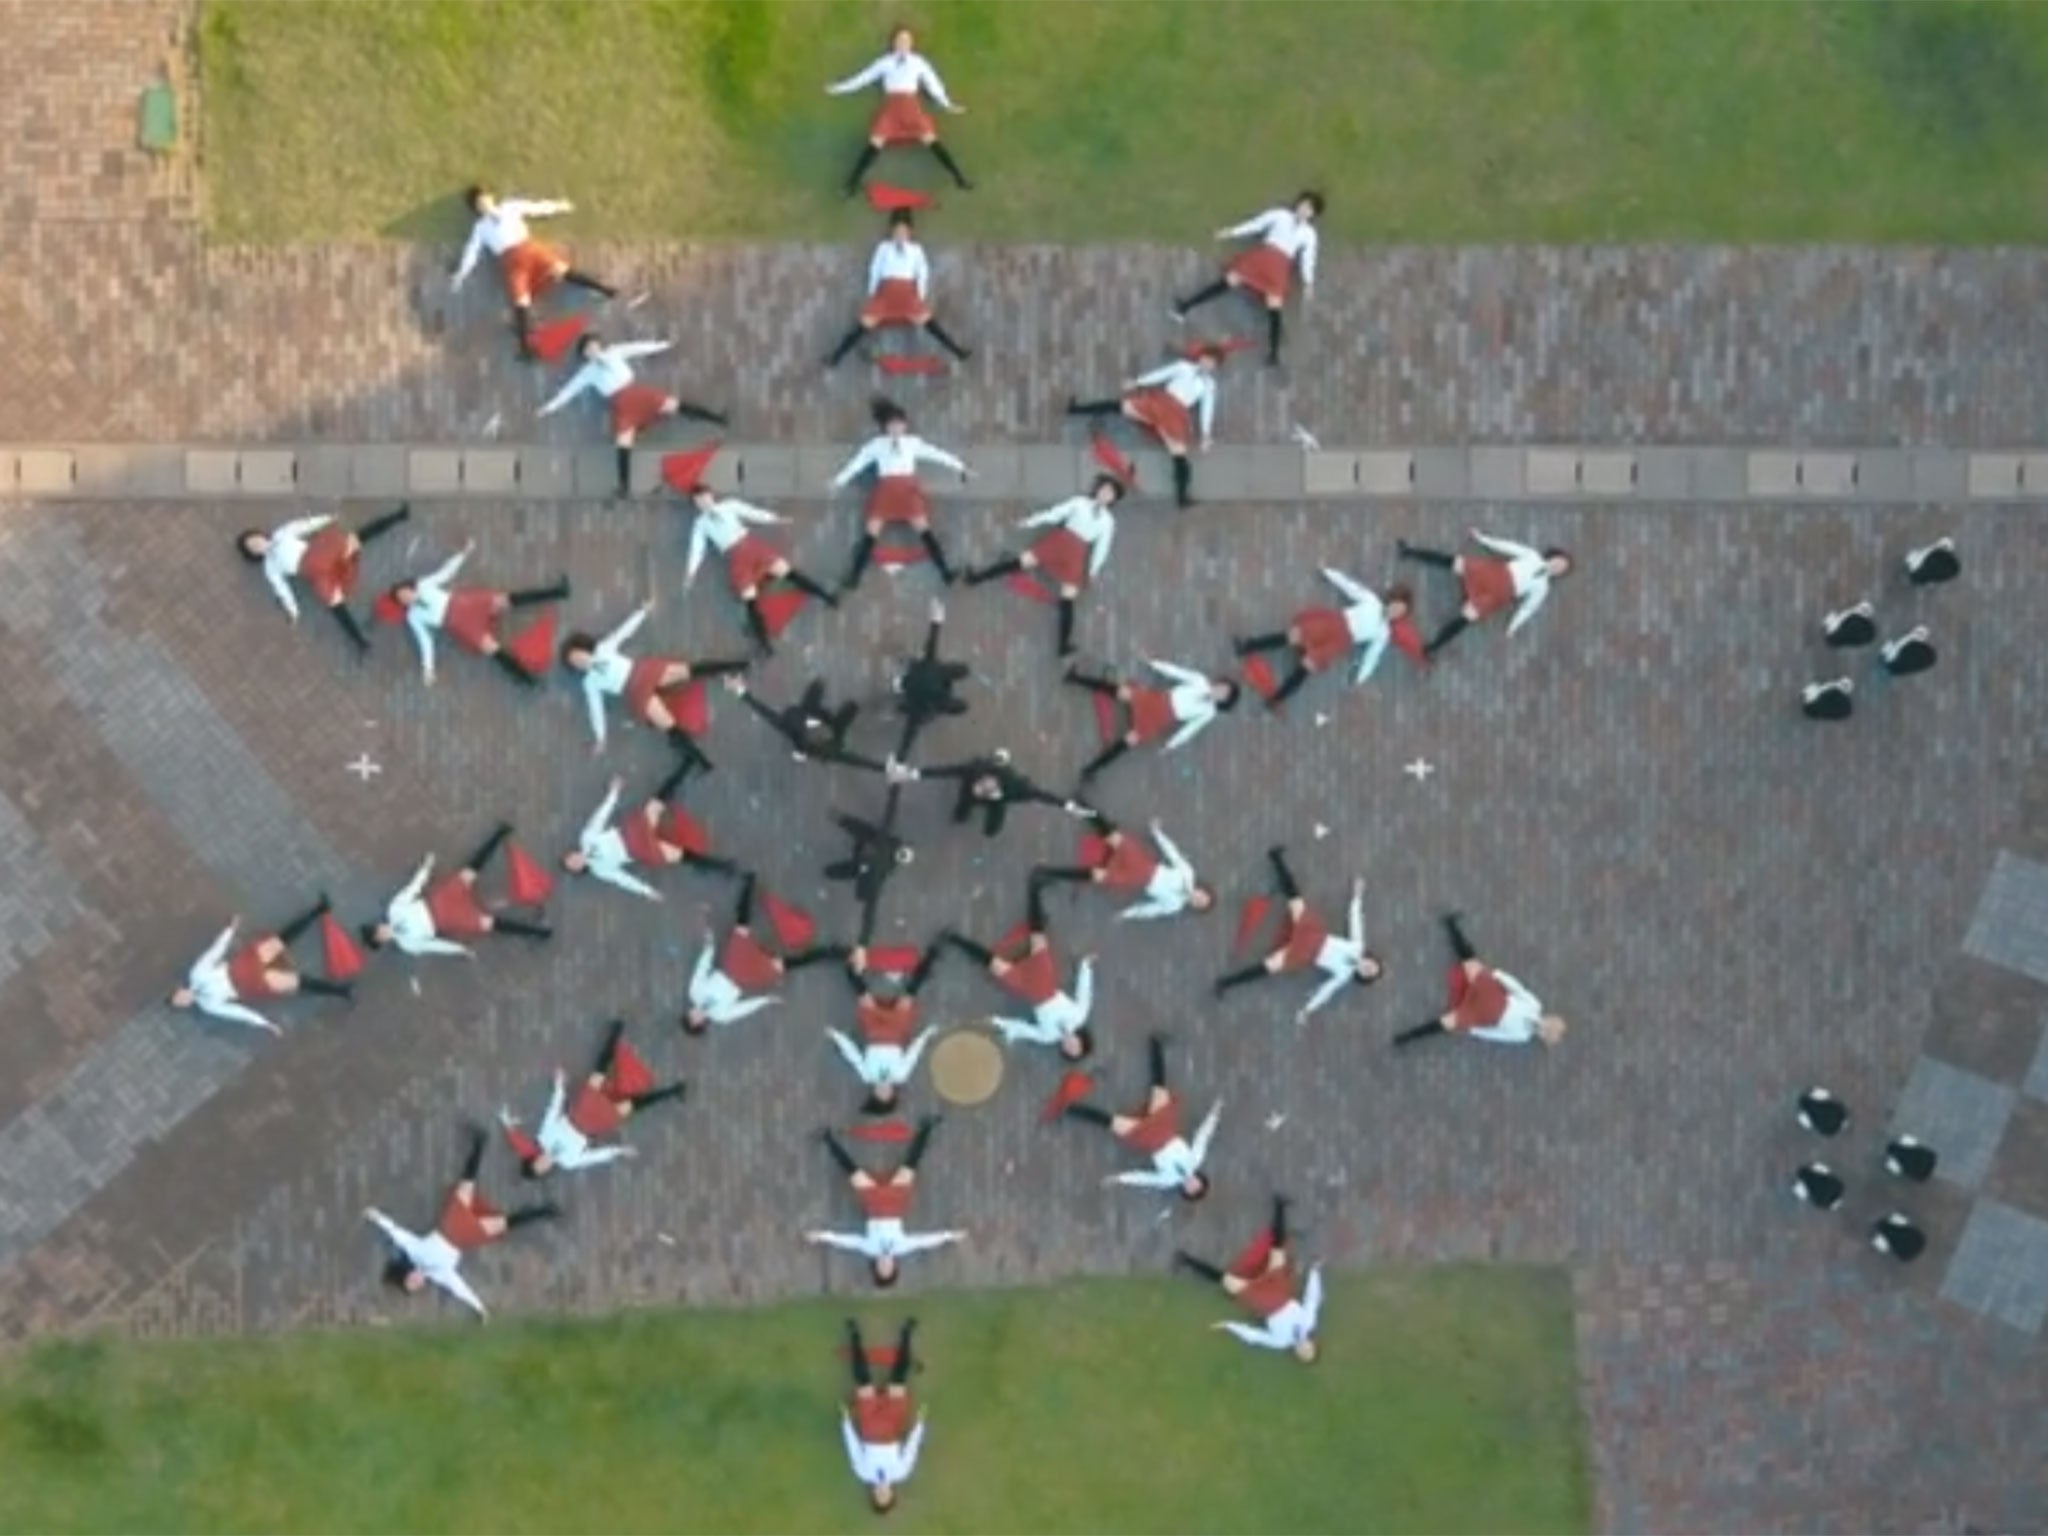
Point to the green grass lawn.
(1445, 1401)
(1145, 119)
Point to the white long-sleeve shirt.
(1057, 1017)
(1087, 520)
(610, 667)
(1366, 617)
(884, 1238)
(718, 995)
(287, 549)
(607, 371)
(429, 609)
(1286, 232)
(1518, 1021)
(568, 1147)
(1192, 700)
(1170, 888)
(720, 526)
(213, 990)
(1338, 958)
(412, 925)
(889, 456)
(1188, 383)
(879, 1065)
(503, 228)
(1292, 1324)
(1179, 1160)
(878, 1464)
(1531, 575)
(433, 1256)
(903, 262)
(899, 74)
(604, 850)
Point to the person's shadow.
(435, 230)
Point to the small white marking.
(636, 301)
(363, 767)
(1321, 831)
(414, 983)
(664, 1239)
(1420, 769)
(412, 548)
(495, 425)
(1306, 438)
(1321, 720)
(1163, 1217)
(1274, 1122)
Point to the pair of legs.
(674, 405)
(1288, 639)
(1183, 467)
(1296, 904)
(673, 675)
(903, 1173)
(465, 1192)
(1109, 687)
(656, 810)
(1468, 959)
(369, 533)
(524, 598)
(284, 978)
(522, 303)
(1466, 616)
(1112, 837)
(781, 570)
(872, 150)
(864, 327)
(743, 922)
(1156, 1094)
(988, 959)
(1276, 1230)
(863, 1370)
(1275, 309)
(871, 533)
(601, 1071)
(497, 922)
(1027, 561)
(927, 686)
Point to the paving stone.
(768, 473)
(1959, 1114)
(2019, 1173)
(267, 471)
(212, 472)
(490, 471)
(2011, 924)
(1552, 471)
(2036, 1084)
(1275, 473)
(1720, 474)
(1330, 474)
(1884, 474)
(2000, 1267)
(1987, 1020)
(1049, 473)
(645, 476)
(596, 472)
(380, 472)
(1828, 474)
(1608, 474)
(998, 473)
(1666, 474)
(1995, 475)
(128, 470)
(1386, 472)
(1224, 474)
(1940, 474)
(1443, 472)
(434, 472)
(547, 472)
(816, 464)
(1774, 475)
(326, 469)
(1496, 472)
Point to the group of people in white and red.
(634, 841)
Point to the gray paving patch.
(2036, 1085)
(2000, 1266)
(2011, 925)
(36, 897)
(1959, 1114)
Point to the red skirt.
(530, 269)
(750, 562)
(637, 406)
(246, 971)
(594, 1112)
(463, 1225)
(902, 119)
(1165, 417)
(1476, 1001)
(1325, 637)
(472, 618)
(750, 966)
(679, 829)
(1155, 1128)
(1265, 269)
(1304, 941)
(898, 499)
(457, 914)
(896, 302)
(1034, 978)
(643, 687)
(1063, 555)
(1489, 584)
(1129, 865)
(643, 842)
(331, 563)
(1151, 713)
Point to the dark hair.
(875, 1104)
(368, 931)
(253, 556)
(884, 1281)
(1554, 553)
(1087, 1040)
(698, 488)
(1379, 967)
(1201, 1192)
(475, 193)
(692, 1028)
(589, 341)
(1113, 481)
(1313, 199)
(901, 219)
(397, 1270)
(885, 411)
(577, 640)
(1399, 592)
(1211, 351)
(1229, 700)
(406, 585)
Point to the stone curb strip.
(1038, 473)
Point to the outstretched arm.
(1255, 226)
(929, 79)
(422, 637)
(1206, 1133)
(418, 882)
(448, 569)
(1084, 988)
(626, 629)
(583, 378)
(1331, 986)
(1507, 548)
(1178, 673)
(235, 1013)
(1525, 610)
(471, 250)
(1189, 730)
(925, 1242)
(845, 1242)
(860, 81)
(602, 816)
(862, 460)
(625, 880)
(1143, 1178)
(1264, 1337)
(281, 585)
(1098, 556)
(1354, 591)
(626, 350)
(930, 453)
(217, 951)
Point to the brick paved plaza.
(1727, 902)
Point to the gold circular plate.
(967, 1067)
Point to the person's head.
(702, 496)
(882, 1496)
(987, 787)
(1369, 968)
(817, 733)
(480, 198)
(1077, 1046)
(538, 1166)
(902, 227)
(901, 40)
(1208, 357)
(575, 862)
(1399, 601)
(587, 347)
(1225, 693)
(182, 997)
(890, 417)
(1305, 1349)
(1194, 1187)
(884, 1269)
(403, 593)
(695, 1020)
(400, 1275)
(1201, 898)
(254, 544)
(1107, 490)
(1308, 206)
(1550, 1029)
(578, 649)
(1557, 561)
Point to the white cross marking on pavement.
(1420, 769)
(1274, 1122)
(363, 768)
(1321, 831)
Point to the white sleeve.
(588, 1156)
(302, 527)
(558, 1100)
(423, 637)
(470, 252)
(1207, 409)
(438, 946)
(1164, 374)
(1312, 1297)
(701, 971)
(1525, 610)
(1257, 224)
(1354, 591)
(1369, 657)
(856, 1452)
(418, 882)
(858, 465)
(912, 1446)
(1507, 548)
(931, 454)
(1355, 931)
(1098, 557)
(631, 349)
(583, 378)
(602, 816)
(626, 880)
(446, 571)
(746, 1008)
(1024, 1031)
(921, 273)
(1264, 1337)
(1150, 907)
(860, 81)
(1308, 258)
(1331, 986)
(281, 584)
(1084, 990)
(403, 1240)
(235, 1013)
(1145, 1178)
(875, 267)
(1189, 730)
(925, 1242)
(700, 540)
(1059, 512)
(1174, 857)
(747, 512)
(451, 1281)
(626, 630)
(593, 703)
(929, 79)
(216, 951)
(535, 207)
(1206, 1133)
(847, 1242)
(1177, 672)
